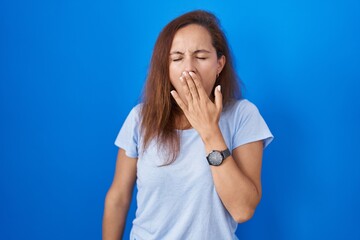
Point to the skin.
(192, 51)
(118, 197)
(237, 179)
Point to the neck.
(182, 123)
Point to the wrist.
(213, 140)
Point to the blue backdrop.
(70, 72)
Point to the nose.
(189, 65)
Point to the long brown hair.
(159, 110)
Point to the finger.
(218, 98)
(200, 89)
(187, 92)
(191, 85)
(178, 100)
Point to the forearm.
(236, 191)
(114, 219)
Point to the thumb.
(218, 97)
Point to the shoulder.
(135, 112)
(244, 123)
(137, 108)
(242, 106)
(133, 117)
(240, 112)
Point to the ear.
(221, 63)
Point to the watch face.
(215, 158)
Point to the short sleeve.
(250, 125)
(128, 136)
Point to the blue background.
(71, 71)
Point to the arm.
(237, 180)
(119, 196)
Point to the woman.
(194, 146)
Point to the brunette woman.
(194, 146)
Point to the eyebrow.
(195, 52)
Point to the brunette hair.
(159, 109)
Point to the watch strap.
(226, 153)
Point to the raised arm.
(237, 180)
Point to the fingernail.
(219, 88)
(181, 79)
(184, 73)
(191, 73)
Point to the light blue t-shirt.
(179, 201)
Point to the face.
(192, 50)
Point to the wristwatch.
(215, 158)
